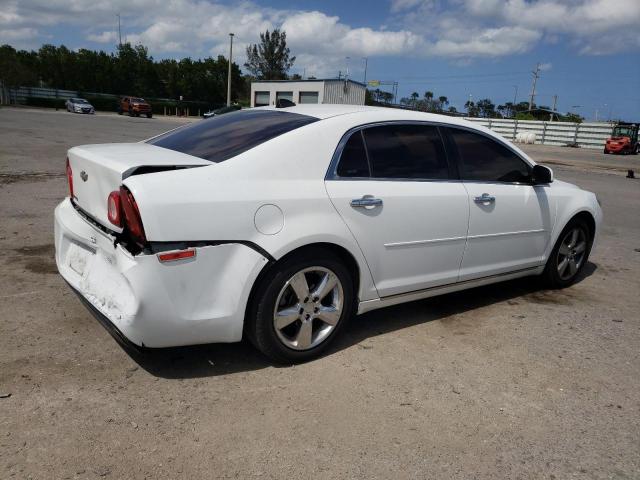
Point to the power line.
(474, 75)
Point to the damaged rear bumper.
(153, 304)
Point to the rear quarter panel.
(220, 201)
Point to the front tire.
(569, 255)
(300, 306)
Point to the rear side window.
(222, 137)
(353, 161)
(406, 151)
(484, 159)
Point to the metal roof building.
(332, 91)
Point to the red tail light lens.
(114, 210)
(132, 216)
(70, 178)
(177, 255)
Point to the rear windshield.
(222, 137)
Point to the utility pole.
(119, 31)
(555, 102)
(229, 74)
(536, 74)
(366, 61)
(515, 95)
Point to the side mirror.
(541, 175)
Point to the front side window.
(409, 151)
(224, 136)
(485, 159)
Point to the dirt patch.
(8, 178)
(550, 297)
(46, 249)
(41, 266)
(40, 258)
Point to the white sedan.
(280, 224)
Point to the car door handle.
(366, 201)
(485, 198)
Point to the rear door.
(510, 219)
(392, 186)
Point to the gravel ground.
(505, 381)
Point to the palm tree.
(443, 102)
(414, 97)
(428, 101)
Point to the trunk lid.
(98, 170)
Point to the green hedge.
(45, 102)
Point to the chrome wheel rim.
(571, 253)
(308, 308)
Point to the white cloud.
(460, 30)
(103, 37)
(491, 42)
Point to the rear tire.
(569, 255)
(300, 306)
(149, 115)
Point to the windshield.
(139, 100)
(623, 132)
(222, 137)
(79, 100)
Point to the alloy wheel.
(308, 308)
(571, 253)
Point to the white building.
(267, 92)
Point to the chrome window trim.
(332, 171)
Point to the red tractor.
(624, 139)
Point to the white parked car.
(79, 105)
(280, 224)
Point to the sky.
(588, 50)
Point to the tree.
(472, 110)
(427, 104)
(486, 108)
(386, 97)
(573, 117)
(270, 60)
(414, 97)
(442, 102)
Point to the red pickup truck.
(134, 106)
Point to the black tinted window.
(222, 137)
(487, 160)
(353, 161)
(406, 151)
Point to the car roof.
(357, 115)
(372, 114)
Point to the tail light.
(132, 218)
(70, 178)
(177, 255)
(114, 209)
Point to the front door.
(510, 219)
(392, 187)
